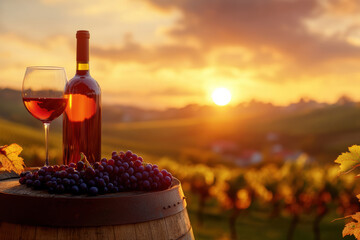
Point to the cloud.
(163, 55)
(275, 25)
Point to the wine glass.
(43, 95)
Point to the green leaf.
(350, 160)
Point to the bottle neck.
(82, 52)
(82, 68)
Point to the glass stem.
(46, 127)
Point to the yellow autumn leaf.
(353, 228)
(10, 160)
(350, 160)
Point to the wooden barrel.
(29, 214)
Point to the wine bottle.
(82, 116)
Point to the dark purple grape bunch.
(130, 173)
(123, 172)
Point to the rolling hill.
(321, 130)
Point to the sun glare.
(221, 96)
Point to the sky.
(161, 53)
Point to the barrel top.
(38, 207)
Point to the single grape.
(118, 163)
(22, 180)
(101, 182)
(57, 174)
(23, 174)
(121, 169)
(110, 186)
(109, 168)
(156, 179)
(29, 182)
(126, 165)
(63, 173)
(164, 172)
(106, 179)
(133, 178)
(101, 168)
(148, 167)
(145, 174)
(75, 190)
(41, 172)
(125, 176)
(167, 180)
(72, 165)
(130, 171)
(28, 175)
(156, 171)
(47, 178)
(140, 168)
(91, 182)
(128, 154)
(111, 162)
(96, 165)
(90, 171)
(138, 175)
(83, 187)
(146, 184)
(41, 178)
(76, 177)
(138, 163)
(66, 181)
(93, 191)
(72, 182)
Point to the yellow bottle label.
(82, 66)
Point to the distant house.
(279, 152)
(224, 146)
(248, 157)
(272, 137)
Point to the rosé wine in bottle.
(82, 116)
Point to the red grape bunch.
(125, 171)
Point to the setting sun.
(221, 96)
